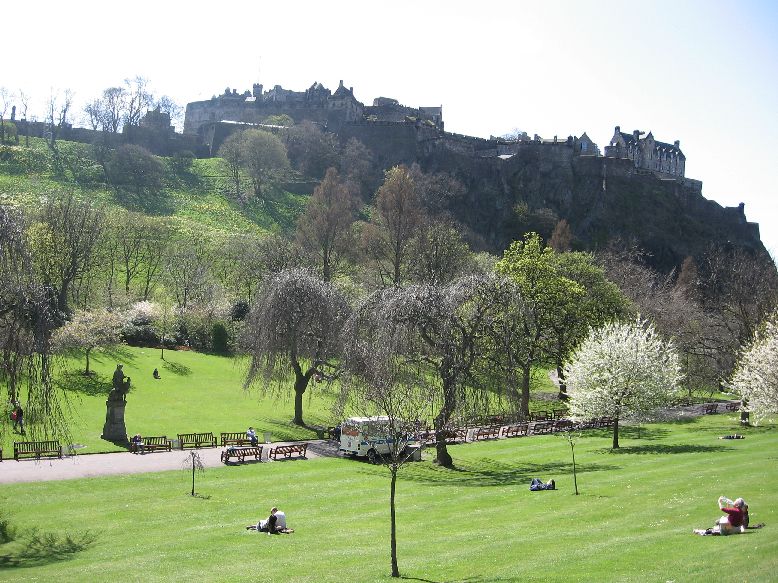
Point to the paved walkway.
(105, 464)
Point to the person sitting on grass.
(155, 374)
(275, 523)
(733, 522)
(537, 485)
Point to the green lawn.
(197, 392)
(479, 523)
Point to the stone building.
(317, 104)
(647, 153)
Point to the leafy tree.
(279, 120)
(756, 375)
(398, 217)
(436, 336)
(264, 158)
(543, 290)
(324, 230)
(621, 370)
(8, 132)
(89, 331)
(137, 169)
(26, 324)
(601, 301)
(294, 324)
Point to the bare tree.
(231, 152)
(5, 101)
(295, 324)
(57, 112)
(138, 99)
(324, 230)
(378, 383)
(398, 218)
(438, 254)
(25, 100)
(66, 239)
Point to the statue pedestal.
(114, 428)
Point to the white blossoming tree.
(756, 374)
(622, 369)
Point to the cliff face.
(601, 198)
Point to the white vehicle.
(366, 437)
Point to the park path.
(106, 464)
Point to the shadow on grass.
(638, 432)
(176, 368)
(36, 549)
(666, 449)
(491, 472)
(93, 384)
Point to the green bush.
(9, 132)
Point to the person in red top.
(734, 520)
(735, 514)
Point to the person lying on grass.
(275, 523)
(537, 485)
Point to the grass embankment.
(632, 521)
(199, 199)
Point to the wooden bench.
(558, 413)
(562, 425)
(519, 430)
(197, 440)
(540, 416)
(710, 408)
(288, 451)
(153, 443)
(241, 453)
(486, 433)
(37, 449)
(542, 427)
(237, 438)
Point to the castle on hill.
(398, 133)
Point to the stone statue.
(120, 386)
(114, 428)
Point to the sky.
(702, 72)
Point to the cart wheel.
(372, 456)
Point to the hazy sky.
(702, 72)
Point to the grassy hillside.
(195, 199)
(479, 523)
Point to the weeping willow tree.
(26, 326)
(437, 333)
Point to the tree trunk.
(575, 478)
(392, 514)
(300, 385)
(560, 374)
(616, 433)
(443, 458)
(526, 373)
(87, 361)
